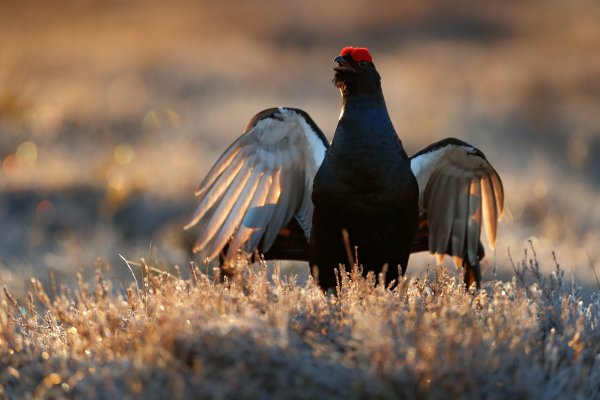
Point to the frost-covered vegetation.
(268, 337)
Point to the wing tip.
(189, 225)
(196, 248)
(193, 221)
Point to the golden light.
(161, 119)
(51, 380)
(115, 179)
(27, 152)
(123, 154)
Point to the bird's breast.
(375, 179)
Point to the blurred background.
(112, 111)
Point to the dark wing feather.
(460, 191)
(259, 185)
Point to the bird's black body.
(364, 186)
(283, 191)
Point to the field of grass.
(112, 111)
(261, 337)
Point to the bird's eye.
(362, 63)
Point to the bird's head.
(355, 72)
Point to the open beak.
(343, 64)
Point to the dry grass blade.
(137, 286)
(594, 269)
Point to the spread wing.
(460, 192)
(259, 185)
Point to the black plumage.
(364, 185)
(282, 190)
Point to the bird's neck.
(366, 110)
(354, 95)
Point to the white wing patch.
(258, 185)
(461, 192)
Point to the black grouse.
(282, 190)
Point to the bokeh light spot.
(115, 179)
(123, 154)
(151, 121)
(44, 209)
(156, 120)
(51, 380)
(11, 165)
(27, 152)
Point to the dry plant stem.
(132, 274)
(193, 273)
(594, 269)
